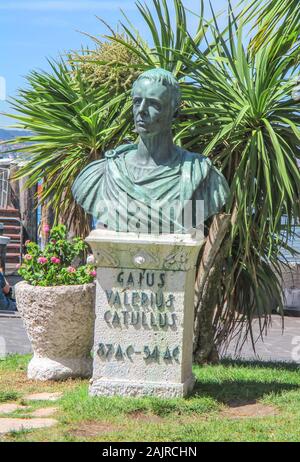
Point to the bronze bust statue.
(154, 170)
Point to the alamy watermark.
(124, 214)
(2, 88)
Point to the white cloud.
(65, 5)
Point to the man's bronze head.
(156, 100)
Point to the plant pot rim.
(25, 283)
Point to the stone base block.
(59, 368)
(102, 387)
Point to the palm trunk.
(206, 290)
(47, 218)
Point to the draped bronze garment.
(191, 177)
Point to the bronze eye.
(156, 105)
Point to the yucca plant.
(74, 116)
(237, 109)
(70, 126)
(248, 123)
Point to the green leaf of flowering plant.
(55, 264)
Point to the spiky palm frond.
(245, 119)
(275, 18)
(72, 123)
(169, 38)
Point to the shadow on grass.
(238, 393)
(256, 363)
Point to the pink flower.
(27, 242)
(42, 260)
(71, 269)
(93, 273)
(46, 228)
(18, 266)
(55, 260)
(28, 257)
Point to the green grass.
(200, 417)
(14, 363)
(8, 396)
(77, 405)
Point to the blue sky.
(32, 30)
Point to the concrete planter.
(60, 325)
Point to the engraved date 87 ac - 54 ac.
(110, 351)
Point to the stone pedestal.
(144, 313)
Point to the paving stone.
(10, 424)
(44, 412)
(7, 408)
(43, 396)
(277, 346)
(92, 429)
(249, 411)
(13, 337)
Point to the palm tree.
(238, 110)
(70, 126)
(249, 125)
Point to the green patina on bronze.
(154, 169)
